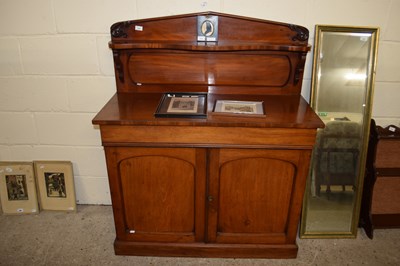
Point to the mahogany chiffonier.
(221, 184)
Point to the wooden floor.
(86, 238)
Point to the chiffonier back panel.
(265, 57)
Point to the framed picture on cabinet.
(17, 188)
(253, 108)
(55, 183)
(185, 105)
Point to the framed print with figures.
(17, 188)
(55, 182)
(184, 105)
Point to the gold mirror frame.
(344, 54)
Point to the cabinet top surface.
(281, 111)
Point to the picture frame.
(184, 105)
(55, 184)
(17, 188)
(241, 108)
(207, 28)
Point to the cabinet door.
(255, 195)
(158, 193)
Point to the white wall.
(56, 70)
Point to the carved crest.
(301, 33)
(118, 30)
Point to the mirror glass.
(342, 85)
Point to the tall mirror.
(341, 94)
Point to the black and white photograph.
(55, 185)
(16, 187)
(183, 105)
(239, 108)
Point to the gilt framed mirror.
(341, 94)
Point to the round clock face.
(207, 28)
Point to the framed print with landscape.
(55, 182)
(17, 188)
(239, 107)
(189, 105)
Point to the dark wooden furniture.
(221, 186)
(381, 195)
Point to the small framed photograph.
(17, 188)
(239, 107)
(207, 28)
(185, 105)
(55, 182)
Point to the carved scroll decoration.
(301, 33)
(118, 30)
